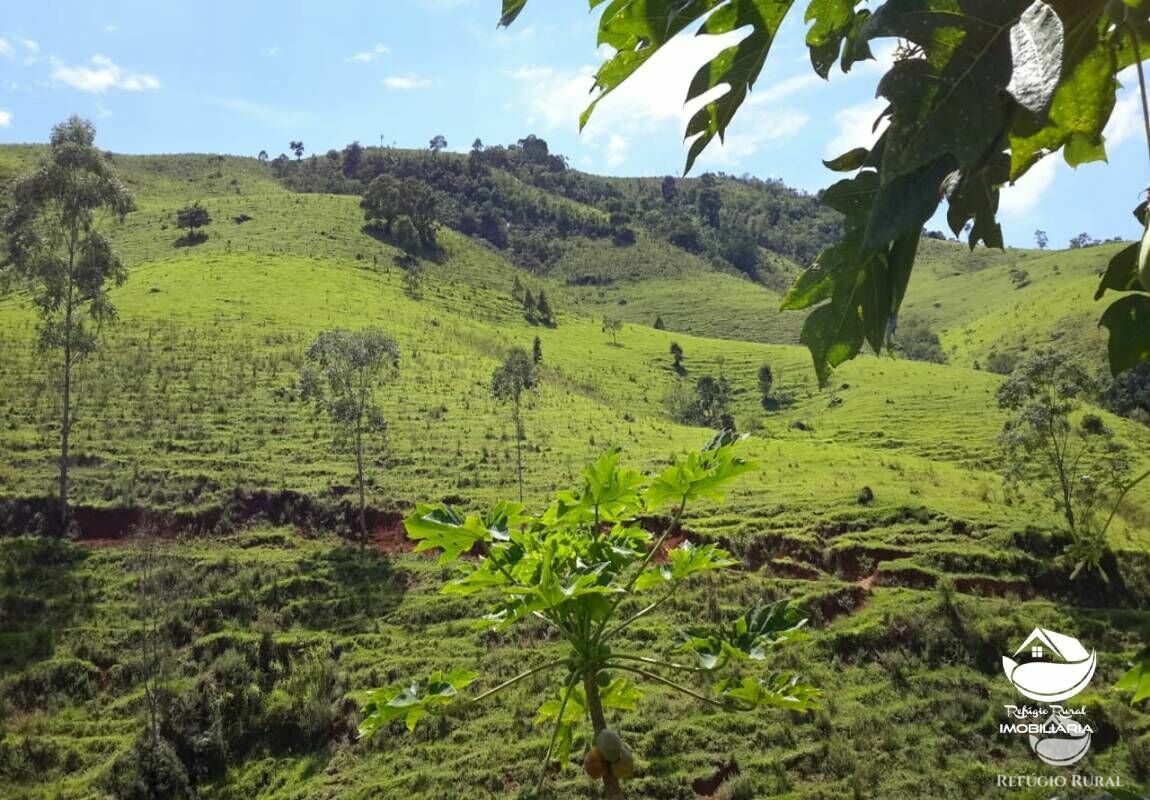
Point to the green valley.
(877, 505)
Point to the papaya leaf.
(1137, 680)
(440, 527)
(695, 476)
(736, 68)
(511, 10)
(1128, 321)
(833, 22)
(1036, 44)
(413, 702)
(747, 638)
(621, 694)
(833, 337)
(683, 562)
(779, 690)
(1085, 96)
(950, 103)
(1122, 272)
(848, 162)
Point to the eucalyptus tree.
(978, 92)
(343, 376)
(54, 242)
(511, 379)
(1073, 457)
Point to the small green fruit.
(610, 745)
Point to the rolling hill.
(189, 420)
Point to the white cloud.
(368, 56)
(1024, 197)
(653, 99)
(1126, 121)
(406, 83)
(102, 74)
(268, 115)
(5, 118)
(856, 127)
(617, 150)
(756, 129)
(271, 51)
(31, 45)
(5, 47)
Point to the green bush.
(151, 770)
(49, 682)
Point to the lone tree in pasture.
(263, 156)
(1073, 457)
(537, 351)
(192, 218)
(52, 229)
(344, 373)
(612, 326)
(1041, 239)
(766, 384)
(437, 143)
(297, 148)
(677, 357)
(543, 309)
(510, 380)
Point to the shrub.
(151, 770)
(44, 683)
(915, 340)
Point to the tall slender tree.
(510, 380)
(54, 242)
(345, 370)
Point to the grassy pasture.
(913, 597)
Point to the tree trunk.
(611, 788)
(519, 448)
(66, 411)
(362, 494)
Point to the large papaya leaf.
(950, 100)
(1137, 680)
(683, 562)
(748, 637)
(1084, 98)
(736, 68)
(779, 690)
(698, 475)
(1128, 321)
(1122, 272)
(413, 702)
(834, 22)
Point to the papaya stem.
(555, 732)
(611, 788)
(677, 687)
(657, 663)
(1141, 81)
(519, 677)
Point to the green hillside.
(189, 417)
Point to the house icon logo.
(1050, 667)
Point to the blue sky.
(239, 77)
